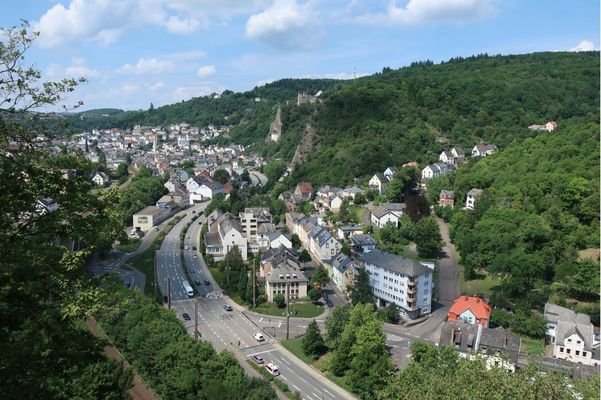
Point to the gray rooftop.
(363, 240)
(394, 263)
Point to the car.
(186, 247)
(187, 237)
(195, 256)
(193, 247)
(227, 307)
(257, 358)
(186, 316)
(192, 271)
(197, 282)
(329, 303)
(193, 211)
(156, 228)
(272, 368)
(207, 282)
(259, 337)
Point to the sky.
(136, 52)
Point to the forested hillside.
(239, 108)
(411, 113)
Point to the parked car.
(193, 247)
(258, 359)
(227, 307)
(272, 368)
(259, 337)
(207, 282)
(186, 316)
(195, 256)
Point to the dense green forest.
(414, 112)
(540, 206)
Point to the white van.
(188, 289)
(259, 337)
(272, 368)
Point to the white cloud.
(182, 26)
(148, 66)
(105, 21)
(286, 25)
(129, 88)
(418, 12)
(206, 71)
(156, 86)
(584, 45)
(77, 69)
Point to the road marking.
(283, 359)
(280, 325)
(302, 379)
(283, 377)
(296, 387)
(315, 394)
(325, 390)
(261, 319)
(263, 352)
(309, 397)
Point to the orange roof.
(305, 187)
(479, 308)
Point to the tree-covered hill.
(412, 113)
(230, 108)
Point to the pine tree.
(313, 344)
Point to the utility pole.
(169, 293)
(196, 319)
(287, 310)
(254, 283)
(155, 274)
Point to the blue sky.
(134, 52)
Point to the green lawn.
(533, 346)
(144, 262)
(130, 246)
(295, 346)
(482, 287)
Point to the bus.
(188, 289)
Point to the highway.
(168, 261)
(234, 330)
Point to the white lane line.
(283, 377)
(286, 361)
(303, 379)
(325, 390)
(315, 394)
(263, 352)
(261, 319)
(296, 387)
(309, 397)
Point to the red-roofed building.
(227, 187)
(472, 310)
(304, 189)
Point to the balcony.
(411, 290)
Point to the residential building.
(390, 172)
(378, 182)
(387, 213)
(472, 310)
(348, 231)
(483, 150)
(251, 219)
(454, 156)
(321, 245)
(571, 335)
(277, 239)
(436, 170)
(150, 216)
(304, 190)
(342, 266)
(497, 346)
(224, 234)
(284, 275)
(275, 256)
(472, 195)
(401, 281)
(101, 179)
(205, 189)
(363, 243)
(548, 127)
(446, 198)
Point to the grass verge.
(533, 346)
(277, 382)
(299, 310)
(481, 287)
(130, 246)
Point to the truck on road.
(188, 289)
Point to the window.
(578, 341)
(569, 340)
(584, 354)
(568, 351)
(577, 352)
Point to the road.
(257, 178)
(234, 330)
(168, 259)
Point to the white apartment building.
(401, 281)
(472, 195)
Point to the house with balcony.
(472, 196)
(401, 281)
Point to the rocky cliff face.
(275, 129)
(306, 145)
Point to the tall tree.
(427, 237)
(361, 290)
(336, 323)
(313, 344)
